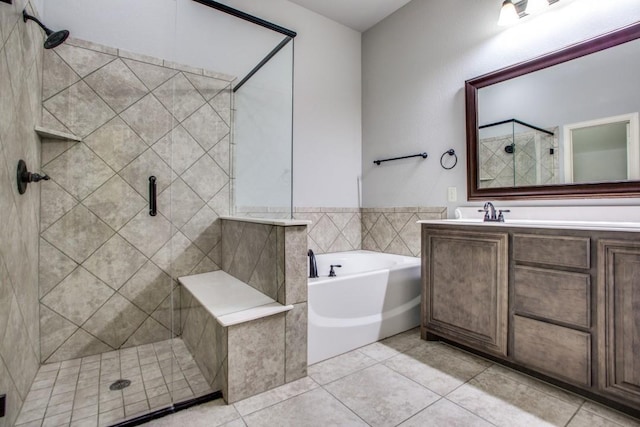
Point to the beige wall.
(20, 82)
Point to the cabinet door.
(465, 281)
(619, 318)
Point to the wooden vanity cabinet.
(551, 321)
(562, 303)
(465, 294)
(619, 318)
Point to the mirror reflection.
(575, 122)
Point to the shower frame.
(510, 149)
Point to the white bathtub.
(374, 296)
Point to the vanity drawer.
(557, 351)
(561, 251)
(554, 295)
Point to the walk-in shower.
(514, 153)
(143, 159)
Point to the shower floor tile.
(77, 392)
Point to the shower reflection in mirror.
(513, 153)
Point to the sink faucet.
(490, 213)
(332, 272)
(313, 267)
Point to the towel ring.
(450, 152)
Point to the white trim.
(633, 143)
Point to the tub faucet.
(313, 267)
(332, 272)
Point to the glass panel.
(512, 154)
(496, 156)
(262, 175)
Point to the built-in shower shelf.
(55, 134)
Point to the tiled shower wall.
(332, 229)
(20, 77)
(394, 230)
(389, 230)
(249, 252)
(107, 267)
(531, 163)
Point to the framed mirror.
(563, 125)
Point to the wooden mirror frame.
(599, 190)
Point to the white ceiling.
(357, 14)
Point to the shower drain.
(120, 384)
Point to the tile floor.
(76, 392)
(404, 381)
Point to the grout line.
(574, 414)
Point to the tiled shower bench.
(236, 334)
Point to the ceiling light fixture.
(508, 14)
(513, 10)
(535, 6)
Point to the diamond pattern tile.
(207, 86)
(54, 266)
(147, 288)
(117, 85)
(149, 119)
(179, 203)
(369, 219)
(79, 109)
(116, 143)
(204, 229)
(147, 233)
(128, 135)
(340, 219)
(221, 154)
(178, 256)
(340, 244)
(206, 126)
(54, 330)
(78, 233)
(221, 202)
(115, 321)
(410, 235)
(324, 232)
(398, 219)
(80, 343)
(397, 246)
(137, 173)
(78, 296)
(382, 232)
(83, 61)
(54, 203)
(75, 180)
(169, 311)
(59, 75)
(353, 231)
(151, 75)
(149, 332)
(50, 122)
(178, 149)
(115, 262)
(53, 148)
(115, 202)
(222, 104)
(179, 97)
(206, 178)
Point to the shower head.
(54, 39)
